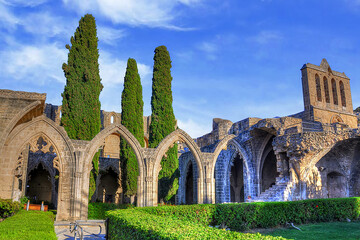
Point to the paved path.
(90, 232)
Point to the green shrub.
(24, 200)
(9, 208)
(138, 224)
(97, 210)
(198, 213)
(270, 214)
(28, 225)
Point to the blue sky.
(231, 59)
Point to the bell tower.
(327, 95)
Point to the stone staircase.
(278, 192)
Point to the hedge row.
(8, 207)
(192, 221)
(97, 210)
(136, 224)
(270, 214)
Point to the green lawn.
(320, 231)
(31, 225)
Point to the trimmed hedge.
(270, 214)
(97, 210)
(198, 213)
(8, 207)
(136, 224)
(28, 225)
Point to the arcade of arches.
(311, 154)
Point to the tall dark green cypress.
(163, 123)
(81, 104)
(132, 118)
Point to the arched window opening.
(112, 119)
(326, 88)
(189, 193)
(342, 93)
(334, 90)
(318, 88)
(237, 180)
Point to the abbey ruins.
(311, 154)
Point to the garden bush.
(138, 224)
(197, 213)
(97, 210)
(8, 207)
(28, 225)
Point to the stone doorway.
(108, 190)
(336, 185)
(269, 171)
(237, 180)
(39, 187)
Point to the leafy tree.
(81, 104)
(132, 118)
(163, 123)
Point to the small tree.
(132, 118)
(163, 123)
(81, 104)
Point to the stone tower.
(327, 95)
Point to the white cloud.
(24, 3)
(112, 70)
(7, 19)
(209, 48)
(110, 35)
(265, 37)
(194, 129)
(155, 13)
(37, 64)
(46, 24)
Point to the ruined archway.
(176, 137)
(23, 140)
(229, 153)
(98, 142)
(187, 167)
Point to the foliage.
(136, 224)
(28, 225)
(270, 214)
(132, 118)
(163, 123)
(81, 104)
(24, 200)
(97, 210)
(9, 208)
(321, 231)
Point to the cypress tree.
(132, 118)
(81, 104)
(163, 123)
